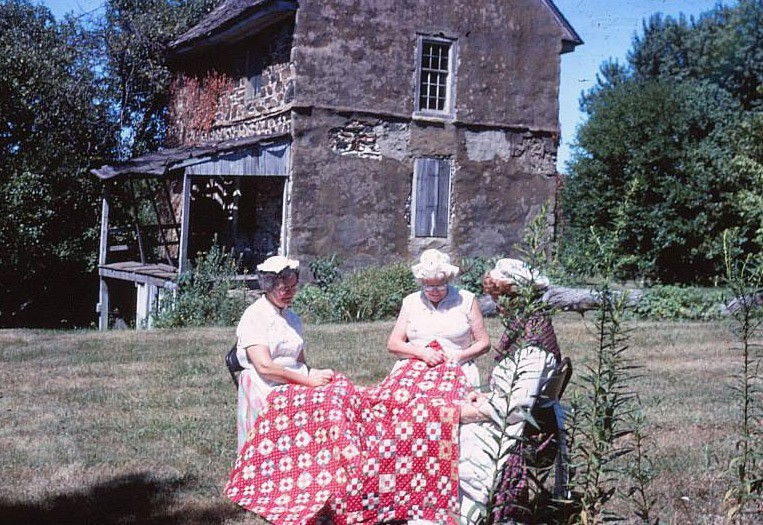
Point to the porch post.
(184, 224)
(103, 295)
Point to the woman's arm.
(480, 338)
(399, 345)
(259, 356)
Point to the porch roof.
(160, 163)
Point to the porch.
(160, 210)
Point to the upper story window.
(435, 75)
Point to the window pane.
(433, 76)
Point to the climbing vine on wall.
(197, 102)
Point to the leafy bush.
(677, 302)
(472, 271)
(325, 270)
(370, 294)
(207, 295)
(316, 305)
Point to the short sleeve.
(252, 330)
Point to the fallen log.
(579, 300)
(753, 300)
(582, 300)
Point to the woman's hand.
(431, 356)
(474, 396)
(452, 355)
(475, 410)
(320, 377)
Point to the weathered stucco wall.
(502, 182)
(344, 202)
(361, 54)
(352, 178)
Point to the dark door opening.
(243, 215)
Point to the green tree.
(675, 130)
(54, 123)
(73, 94)
(137, 37)
(724, 46)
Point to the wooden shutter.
(432, 197)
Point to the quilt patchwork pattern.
(348, 454)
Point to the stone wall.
(262, 125)
(270, 54)
(245, 111)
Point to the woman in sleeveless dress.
(443, 313)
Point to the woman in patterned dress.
(443, 313)
(270, 345)
(528, 354)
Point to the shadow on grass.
(138, 498)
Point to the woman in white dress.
(443, 313)
(270, 346)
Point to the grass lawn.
(138, 427)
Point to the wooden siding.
(260, 161)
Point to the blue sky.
(606, 26)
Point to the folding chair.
(234, 367)
(548, 414)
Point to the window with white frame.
(431, 197)
(435, 67)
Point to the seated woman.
(270, 346)
(529, 336)
(528, 354)
(440, 312)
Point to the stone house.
(367, 128)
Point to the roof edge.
(218, 25)
(570, 39)
(159, 163)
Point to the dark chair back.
(234, 367)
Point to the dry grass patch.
(138, 427)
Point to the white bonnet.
(434, 264)
(277, 264)
(517, 272)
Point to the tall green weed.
(206, 295)
(744, 277)
(607, 423)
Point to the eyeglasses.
(286, 290)
(434, 287)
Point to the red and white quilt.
(348, 454)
